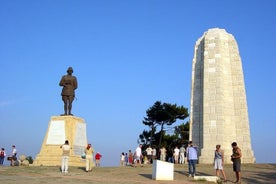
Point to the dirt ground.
(251, 173)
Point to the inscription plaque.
(80, 139)
(56, 134)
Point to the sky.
(126, 55)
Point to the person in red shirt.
(98, 157)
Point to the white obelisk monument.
(218, 109)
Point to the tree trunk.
(161, 136)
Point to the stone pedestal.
(63, 128)
(162, 170)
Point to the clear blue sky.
(126, 54)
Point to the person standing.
(218, 162)
(149, 154)
(138, 155)
(13, 155)
(236, 159)
(182, 155)
(126, 159)
(153, 153)
(2, 156)
(69, 84)
(163, 154)
(65, 156)
(192, 158)
(176, 155)
(89, 151)
(170, 155)
(122, 159)
(130, 157)
(98, 157)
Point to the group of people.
(175, 155)
(192, 157)
(137, 158)
(180, 155)
(88, 151)
(132, 159)
(149, 155)
(126, 158)
(12, 157)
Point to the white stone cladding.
(218, 109)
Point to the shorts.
(237, 165)
(218, 164)
(137, 159)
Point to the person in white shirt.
(176, 155)
(149, 154)
(14, 153)
(163, 154)
(138, 155)
(65, 156)
(122, 159)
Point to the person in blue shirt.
(192, 158)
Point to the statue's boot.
(65, 111)
(70, 113)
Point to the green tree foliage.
(182, 132)
(178, 138)
(162, 115)
(145, 137)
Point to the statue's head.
(70, 70)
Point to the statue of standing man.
(69, 84)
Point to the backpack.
(2, 154)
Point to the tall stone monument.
(64, 127)
(218, 109)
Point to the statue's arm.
(61, 83)
(76, 83)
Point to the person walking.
(65, 156)
(236, 159)
(89, 151)
(2, 156)
(219, 161)
(192, 158)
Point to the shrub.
(30, 159)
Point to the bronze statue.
(69, 84)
